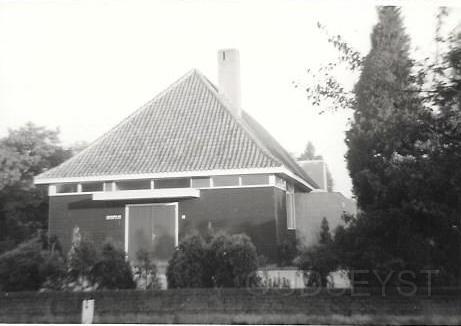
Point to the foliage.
(325, 235)
(188, 268)
(218, 260)
(112, 271)
(320, 259)
(310, 154)
(24, 153)
(287, 251)
(233, 259)
(30, 265)
(403, 155)
(145, 274)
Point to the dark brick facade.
(259, 212)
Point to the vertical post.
(87, 311)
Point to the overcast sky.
(83, 66)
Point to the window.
(291, 216)
(92, 186)
(172, 183)
(66, 188)
(225, 180)
(201, 182)
(133, 185)
(255, 179)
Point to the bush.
(111, 270)
(233, 259)
(81, 259)
(29, 266)
(221, 260)
(188, 268)
(53, 271)
(319, 261)
(287, 252)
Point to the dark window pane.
(172, 183)
(255, 179)
(225, 180)
(92, 186)
(200, 182)
(66, 187)
(133, 185)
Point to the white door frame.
(127, 221)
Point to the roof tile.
(187, 127)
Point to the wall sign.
(113, 217)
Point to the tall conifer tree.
(386, 112)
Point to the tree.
(24, 153)
(325, 235)
(388, 117)
(309, 154)
(403, 149)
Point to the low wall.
(236, 306)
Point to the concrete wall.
(312, 207)
(258, 212)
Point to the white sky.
(83, 66)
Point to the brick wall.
(234, 306)
(258, 212)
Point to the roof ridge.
(215, 92)
(125, 120)
(242, 123)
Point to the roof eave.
(101, 178)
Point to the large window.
(225, 180)
(172, 183)
(133, 185)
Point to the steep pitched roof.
(185, 128)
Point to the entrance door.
(153, 228)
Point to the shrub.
(233, 259)
(188, 268)
(53, 271)
(81, 259)
(28, 266)
(221, 260)
(287, 251)
(111, 270)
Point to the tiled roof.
(185, 128)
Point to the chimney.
(229, 78)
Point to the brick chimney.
(229, 78)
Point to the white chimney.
(229, 78)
